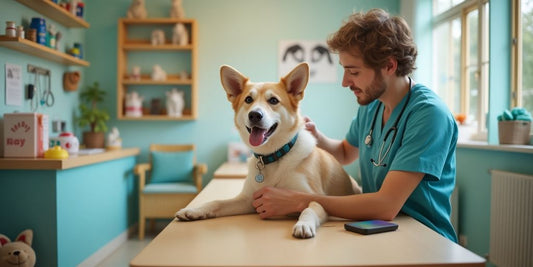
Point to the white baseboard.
(109, 248)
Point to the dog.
(268, 120)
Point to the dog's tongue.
(257, 136)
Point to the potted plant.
(95, 118)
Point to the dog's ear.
(296, 80)
(233, 81)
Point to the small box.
(514, 132)
(25, 134)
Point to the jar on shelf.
(11, 30)
(39, 24)
(20, 32)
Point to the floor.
(127, 251)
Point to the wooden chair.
(175, 179)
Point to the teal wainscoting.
(474, 183)
(73, 212)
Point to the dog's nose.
(255, 116)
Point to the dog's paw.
(303, 229)
(189, 214)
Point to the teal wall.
(65, 102)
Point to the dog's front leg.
(218, 208)
(310, 219)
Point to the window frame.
(461, 11)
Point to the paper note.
(14, 90)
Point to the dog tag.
(259, 178)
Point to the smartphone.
(370, 227)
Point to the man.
(403, 134)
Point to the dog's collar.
(266, 159)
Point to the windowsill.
(528, 149)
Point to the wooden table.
(246, 240)
(231, 170)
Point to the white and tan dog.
(268, 119)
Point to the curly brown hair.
(376, 36)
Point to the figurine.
(158, 37)
(137, 10)
(176, 10)
(136, 73)
(180, 36)
(134, 104)
(113, 139)
(158, 74)
(175, 103)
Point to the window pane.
(527, 54)
(440, 6)
(472, 64)
(447, 41)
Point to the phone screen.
(370, 227)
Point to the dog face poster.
(322, 63)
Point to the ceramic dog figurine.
(175, 103)
(158, 74)
(137, 10)
(176, 10)
(180, 35)
(18, 253)
(158, 37)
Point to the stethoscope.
(393, 130)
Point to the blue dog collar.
(266, 159)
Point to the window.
(522, 87)
(461, 61)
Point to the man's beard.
(374, 91)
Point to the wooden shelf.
(38, 50)
(155, 21)
(127, 44)
(158, 118)
(56, 13)
(150, 47)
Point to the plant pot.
(94, 140)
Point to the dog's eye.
(273, 101)
(248, 99)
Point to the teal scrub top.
(425, 142)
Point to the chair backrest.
(172, 162)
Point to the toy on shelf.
(56, 152)
(134, 104)
(136, 73)
(180, 35)
(175, 103)
(158, 74)
(19, 252)
(176, 10)
(158, 37)
(67, 141)
(137, 10)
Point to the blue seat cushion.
(170, 167)
(162, 188)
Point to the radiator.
(511, 219)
